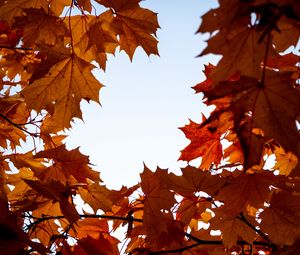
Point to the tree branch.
(14, 48)
(175, 250)
(258, 231)
(205, 242)
(191, 237)
(19, 126)
(45, 218)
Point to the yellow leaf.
(285, 161)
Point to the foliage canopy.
(48, 49)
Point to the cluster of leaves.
(47, 48)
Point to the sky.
(144, 102)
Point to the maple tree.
(48, 49)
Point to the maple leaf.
(232, 228)
(69, 163)
(119, 5)
(247, 189)
(157, 196)
(294, 249)
(136, 26)
(94, 36)
(241, 50)
(285, 162)
(281, 219)
(33, 21)
(102, 246)
(287, 34)
(57, 7)
(194, 180)
(85, 5)
(227, 14)
(14, 8)
(57, 192)
(158, 201)
(272, 107)
(208, 82)
(256, 113)
(190, 208)
(90, 227)
(100, 197)
(45, 231)
(285, 62)
(12, 238)
(206, 140)
(78, 83)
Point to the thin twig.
(219, 242)
(110, 217)
(19, 126)
(14, 48)
(175, 250)
(226, 166)
(258, 231)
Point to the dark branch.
(14, 48)
(175, 250)
(19, 126)
(191, 237)
(45, 218)
(258, 231)
(204, 242)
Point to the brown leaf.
(14, 8)
(281, 219)
(31, 25)
(79, 83)
(69, 163)
(194, 180)
(104, 245)
(242, 52)
(271, 107)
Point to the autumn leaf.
(285, 162)
(94, 37)
(14, 8)
(272, 107)
(90, 227)
(288, 34)
(33, 21)
(58, 193)
(250, 189)
(100, 197)
(69, 163)
(119, 5)
(281, 219)
(136, 26)
(49, 50)
(79, 84)
(85, 5)
(194, 180)
(102, 246)
(242, 52)
(232, 229)
(206, 140)
(158, 201)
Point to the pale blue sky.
(144, 102)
